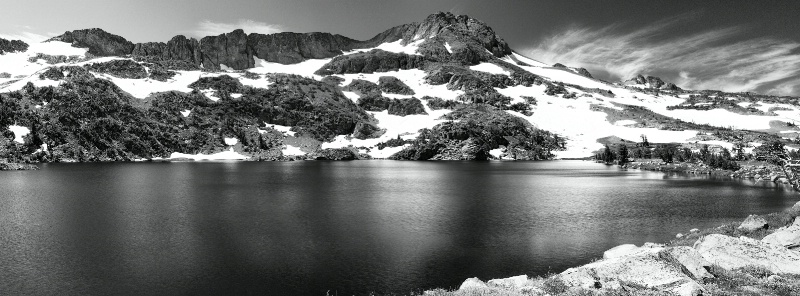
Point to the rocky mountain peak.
(459, 29)
(98, 41)
(650, 82)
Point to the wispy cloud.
(712, 59)
(27, 37)
(211, 28)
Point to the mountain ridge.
(298, 95)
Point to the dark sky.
(730, 45)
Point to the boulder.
(753, 223)
(631, 249)
(646, 269)
(98, 42)
(788, 237)
(732, 253)
(691, 260)
(472, 283)
(515, 282)
(619, 251)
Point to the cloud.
(711, 59)
(27, 37)
(210, 28)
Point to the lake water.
(343, 228)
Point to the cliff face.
(290, 48)
(228, 49)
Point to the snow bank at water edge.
(225, 155)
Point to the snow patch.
(19, 132)
(225, 155)
(210, 93)
(304, 68)
(351, 95)
(231, 141)
(489, 68)
(447, 46)
(236, 96)
(397, 47)
(186, 113)
(282, 128)
(292, 151)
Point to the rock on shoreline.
(17, 166)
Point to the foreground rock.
(732, 253)
(787, 237)
(653, 268)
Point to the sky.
(727, 45)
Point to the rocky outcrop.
(290, 48)
(178, 48)
(584, 72)
(7, 46)
(98, 42)
(228, 49)
(373, 61)
(335, 154)
(460, 31)
(393, 85)
(651, 82)
(119, 68)
(732, 253)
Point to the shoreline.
(13, 166)
(757, 256)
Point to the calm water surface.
(307, 228)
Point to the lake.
(342, 228)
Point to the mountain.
(447, 87)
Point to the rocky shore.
(757, 171)
(759, 256)
(5, 166)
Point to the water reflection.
(345, 227)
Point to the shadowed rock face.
(99, 42)
(177, 48)
(229, 49)
(12, 46)
(290, 48)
